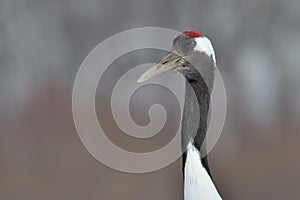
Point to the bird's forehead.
(182, 39)
(191, 34)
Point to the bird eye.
(193, 43)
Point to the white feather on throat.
(197, 183)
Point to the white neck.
(205, 45)
(197, 183)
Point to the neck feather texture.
(197, 182)
(195, 115)
(196, 173)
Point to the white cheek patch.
(204, 45)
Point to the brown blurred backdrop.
(43, 44)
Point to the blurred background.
(43, 44)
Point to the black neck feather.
(196, 121)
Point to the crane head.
(188, 47)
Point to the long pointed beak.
(168, 62)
